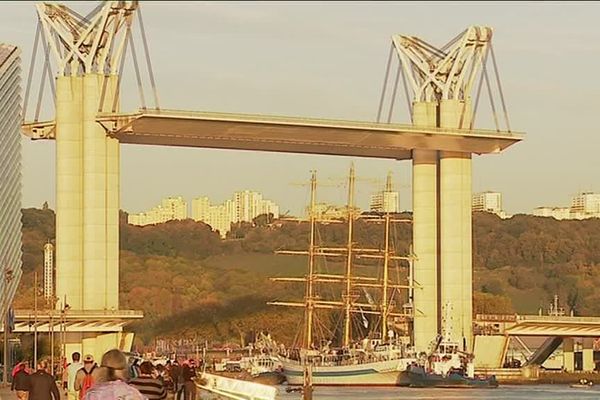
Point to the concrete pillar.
(588, 355)
(425, 234)
(112, 223)
(87, 195)
(94, 197)
(88, 346)
(106, 341)
(97, 344)
(456, 272)
(69, 191)
(568, 347)
(113, 190)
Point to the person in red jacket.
(20, 381)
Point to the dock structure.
(569, 333)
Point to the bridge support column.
(425, 234)
(455, 263)
(568, 354)
(588, 355)
(96, 343)
(87, 195)
(69, 191)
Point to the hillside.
(190, 282)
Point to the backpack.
(88, 382)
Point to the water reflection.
(541, 392)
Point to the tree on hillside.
(187, 279)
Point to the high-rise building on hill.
(243, 207)
(586, 203)
(170, 208)
(387, 200)
(488, 202)
(583, 205)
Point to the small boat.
(582, 384)
(215, 387)
(447, 366)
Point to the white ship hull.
(378, 373)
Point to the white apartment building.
(554, 212)
(169, 209)
(200, 208)
(583, 205)
(487, 201)
(243, 207)
(586, 203)
(387, 200)
(325, 211)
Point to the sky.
(327, 60)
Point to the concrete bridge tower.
(440, 82)
(88, 52)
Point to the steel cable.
(148, 60)
(385, 81)
(31, 69)
(500, 87)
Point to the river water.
(525, 392)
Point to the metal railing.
(20, 313)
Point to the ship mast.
(348, 278)
(386, 257)
(349, 302)
(386, 261)
(311, 264)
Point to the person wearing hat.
(84, 379)
(110, 379)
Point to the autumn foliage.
(189, 281)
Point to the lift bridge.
(83, 61)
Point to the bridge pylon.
(438, 83)
(88, 52)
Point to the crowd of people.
(114, 378)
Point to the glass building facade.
(10, 174)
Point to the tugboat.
(455, 378)
(447, 366)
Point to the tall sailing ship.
(372, 347)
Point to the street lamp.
(8, 277)
(36, 292)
